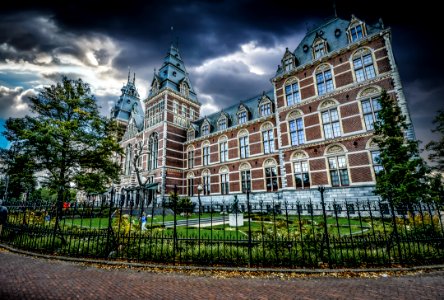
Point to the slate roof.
(129, 105)
(334, 32)
(173, 73)
(251, 104)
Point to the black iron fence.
(266, 234)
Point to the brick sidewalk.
(23, 277)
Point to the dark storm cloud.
(211, 29)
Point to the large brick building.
(314, 127)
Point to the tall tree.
(436, 148)
(403, 178)
(66, 138)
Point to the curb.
(232, 269)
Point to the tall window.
(242, 117)
(244, 147)
(363, 65)
(206, 184)
(246, 180)
(175, 107)
(296, 132)
(377, 167)
(292, 94)
(330, 122)
(206, 155)
(301, 178)
(222, 124)
(338, 171)
(184, 90)
(224, 184)
(190, 135)
(288, 63)
(191, 114)
(153, 148)
(268, 140)
(356, 32)
(128, 158)
(324, 81)
(370, 109)
(184, 110)
(223, 151)
(265, 109)
(271, 179)
(190, 187)
(319, 49)
(190, 159)
(205, 129)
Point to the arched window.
(206, 153)
(292, 93)
(206, 182)
(268, 138)
(223, 149)
(190, 157)
(324, 80)
(242, 115)
(301, 170)
(244, 147)
(153, 149)
(224, 181)
(190, 184)
(337, 165)
(245, 177)
(363, 65)
(271, 179)
(296, 126)
(128, 158)
(184, 89)
(330, 119)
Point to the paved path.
(23, 277)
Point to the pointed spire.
(134, 78)
(334, 8)
(129, 74)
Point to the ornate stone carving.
(244, 167)
(294, 114)
(335, 149)
(223, 138)
(369, 91)
(299, 155)
(266, 126)
(270, 163)
(190, 175)
(223, 170)
(327, 103)
(242, 132)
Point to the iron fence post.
(326, 239)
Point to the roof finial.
(129, 72)
(334, 8)
(134, 78)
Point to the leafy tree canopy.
(66, 139)
(436, 148)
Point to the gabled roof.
(251, 104)
(334, 32)
(173, 73)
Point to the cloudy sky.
(231, 48)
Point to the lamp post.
(199, 190)
(247, 191)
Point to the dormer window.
(184, 89)
(222, 123)
(265, 108)
(319, 48)
(242, 115)
(205, 128)
(356, 30)
(288, 61)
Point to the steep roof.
(334, 32)
(172, 74)
(251, 104)
(129, 105)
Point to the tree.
(66, 139)
(403, 178)
(436, 148)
